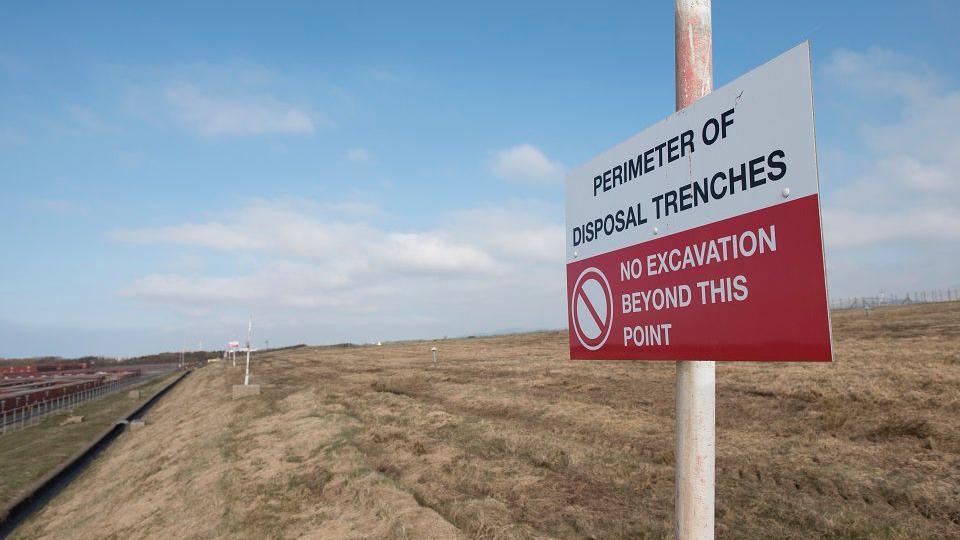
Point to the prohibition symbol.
(591, 306)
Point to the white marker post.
(246, 376)
(696, 380)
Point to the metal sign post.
(699, 238)
(696, 380)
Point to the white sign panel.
(665, 178)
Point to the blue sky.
(382, 171)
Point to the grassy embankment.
(507, 438)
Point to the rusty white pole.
(696, 380)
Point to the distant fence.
(885, 299)
(31, 414)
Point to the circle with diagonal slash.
(591, 307)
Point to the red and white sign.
(699, 238)
(233, 345)
(591, 308)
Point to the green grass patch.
(26, 455)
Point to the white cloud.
(909, 191)
(480, 269)
(216, 116)
(381, 75)
(526, 163)
(353, 208)
(85, 118)
(55, 206)
(209, 235)
(359, 155)
(879, 72)
(851, 228)
(905, 197)
(177, 288)
(284, 229)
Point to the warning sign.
(699, 238)
(592, 309)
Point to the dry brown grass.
(507, 438)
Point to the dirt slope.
(506, 438)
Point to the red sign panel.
(699, 238)
(749, 287)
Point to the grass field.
(27, 455)
(507, 438)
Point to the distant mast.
(249, 330)
(246, 375)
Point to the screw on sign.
(592, 308)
